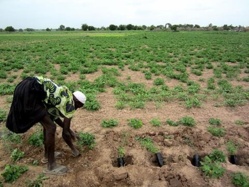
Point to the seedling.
(86, 139)
(121, 151)
(109, 123)
(231, 147)
(36, 139)
(214, 121)
(239, 122)
(172, 123)
(240, 180)
(216, 131)
(16, 155)
(155, 122)
(135, 123)
(3, 115)
(37, 182)
(217, 156)
(13, 172)
(211, 169)
(187, 121)
(148, 144)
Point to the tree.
(121, 27)
(173, 28)
(47, 29)
(84, 27)
(10, 29)
(91, 28)
(113, 27)
(62, 27)
(130, 27)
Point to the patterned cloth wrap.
(59, 100)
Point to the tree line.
(122, 27)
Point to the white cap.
(80, 96)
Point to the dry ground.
(98, 167)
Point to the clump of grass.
(135, 123)
(109, 123)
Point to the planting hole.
(128, 160)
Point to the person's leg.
(44, 140)
(49, 140)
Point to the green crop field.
(178, 93)
(160, 56)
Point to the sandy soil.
(98, 167)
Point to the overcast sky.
(42, 14)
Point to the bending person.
(38, 99)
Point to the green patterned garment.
(59, 100)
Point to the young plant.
(17, 155)
(187, 121)
(211, 169)
(121, 151)
(231, 147)
(109, 123)
(214, 121)
(216, 131)
(86, 139)
(240, 180)
(217, 156)
(36, 139)
(158, 81)
(3, 115)
(135, 123)
(155, 122)
(13, 172)
(148, 144)
(37, 182)
(171, 122)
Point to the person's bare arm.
(68, 135)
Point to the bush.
(217, 156)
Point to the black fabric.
(27, 107)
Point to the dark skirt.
(27, 107)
